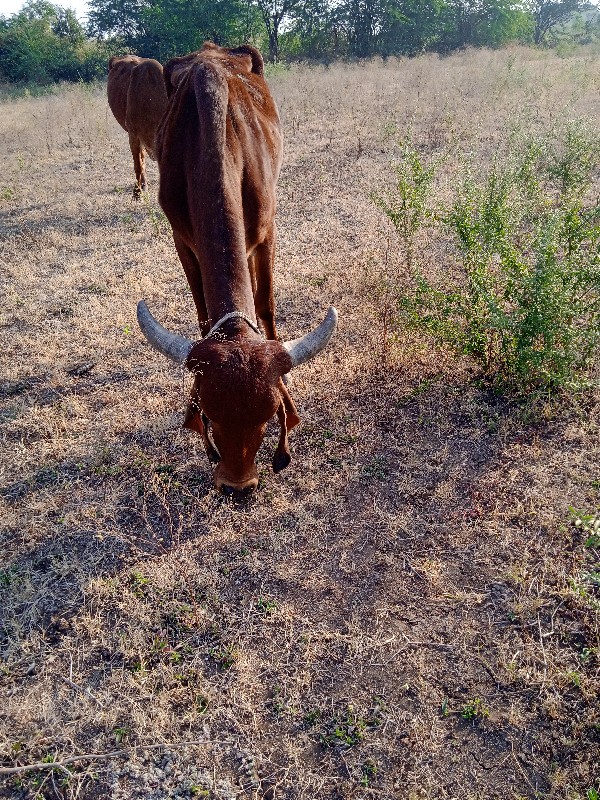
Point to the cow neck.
(233, 315)
(230, 297)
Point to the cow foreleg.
(137, 151)
(191, 268)
(282, 456)
(264, 302)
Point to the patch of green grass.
(224, 657)
(9, 577)
(312, 717)
(377, 468)
(120, 734)
(350, 728)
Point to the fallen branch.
(83, 690)
(61, 765)
(124, 753)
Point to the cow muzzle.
(235, 488)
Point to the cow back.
(146, 102)
(219, 155)
(119, 77)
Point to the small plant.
(584, 587)
(574, 677)
(266, 607)
(369, 772)
(202, 703)
(8, 577)
(157, 218)
(199, 791)
(346, 732)
(7, 193)
(138, 584)
(277, 702)
(350, 728)
(592, 794)
(475, 709)
(120, 734)
(589, 523)
(312, 717)
(408, 207)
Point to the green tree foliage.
(548, 14)
(314, 31)
(480, 23)
(363, 28)
(45, 43)
(162, 29)
(274, 14)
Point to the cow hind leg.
(139, 157)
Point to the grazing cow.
(219, 154)
(138, 99)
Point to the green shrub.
(45, 44)
(521, 291)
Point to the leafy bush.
(44, 44)
(522, 294)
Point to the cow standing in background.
(138, 99)
(219, 153)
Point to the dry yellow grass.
(416, 559)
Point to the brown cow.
(219, 155)
(138, 99)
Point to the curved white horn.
(171, 345)
(311, 344)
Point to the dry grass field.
(408, 611)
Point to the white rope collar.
(233, 315)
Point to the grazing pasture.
(409, 610)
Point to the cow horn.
(171, 345)
(311, 344)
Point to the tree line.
(45, 43)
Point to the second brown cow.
(138, 99)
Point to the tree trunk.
(273, 45)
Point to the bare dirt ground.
(408, 610)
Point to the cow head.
(237, 389)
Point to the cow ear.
(172, 72)
(281, 363)
(193, 414)
(193, 419)
(257, 65)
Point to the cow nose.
(235, 487)
(238, 494)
